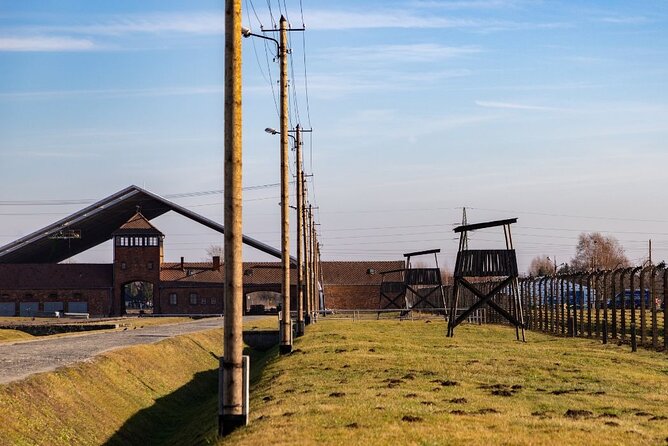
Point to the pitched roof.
(137, 224)
(53, 276)
(97, 222)
(357, 273)
(255, 273)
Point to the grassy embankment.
(163, 393)
(391, 383)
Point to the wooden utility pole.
(320, 284)
(300, 236)
(231, 410)
(313, 291)
(307, 257)
(286, 323)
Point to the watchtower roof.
(137, 224)
(487, 224)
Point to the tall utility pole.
(312, 291)
(300, 236)
(321, 278)
(286, 322)
(307, 256)
(231, 410)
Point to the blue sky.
(552, 111)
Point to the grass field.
(368, 382)
(395, 383)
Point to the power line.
(545, 214)
(67, 202)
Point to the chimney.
(181, 263)
(216, 263)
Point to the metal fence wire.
(626, 306)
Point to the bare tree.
(541, 266)
(597, 251)
(214, 250)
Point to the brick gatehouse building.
(33, 280)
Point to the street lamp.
(246, 33)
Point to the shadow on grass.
(187, 416)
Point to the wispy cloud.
(516, 106)
(204, 23)
(404, 18)
(625, 20)
(467, 4)
(420, 52)
(146, 92)
(44, 44)
(333, 85)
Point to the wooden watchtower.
(487, 263)
(417, 287)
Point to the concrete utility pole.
(286, 322)
(231, 410)
(300, 237)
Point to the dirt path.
(22, 359)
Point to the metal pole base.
(307, 319)
(285, 349)
(300, 328)
(229, 423)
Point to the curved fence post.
(654, 298)
(613, 300)
(643, 305)
(604, 330)
(589, 330)
(665, 310)
(633, 326)
(581, 301)
(542, 299)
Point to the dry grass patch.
(148, 394)
(13, 335)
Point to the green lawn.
(354, 383)
(395, 383)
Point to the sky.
(554, 112)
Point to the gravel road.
(21, 359)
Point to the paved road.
(22, 359)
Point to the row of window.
(194, 299)
(137, 241)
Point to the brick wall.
(209, 300)
(98, 300)
(351, 297)
(133, 264)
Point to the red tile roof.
(38, 276)
(137, 223)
